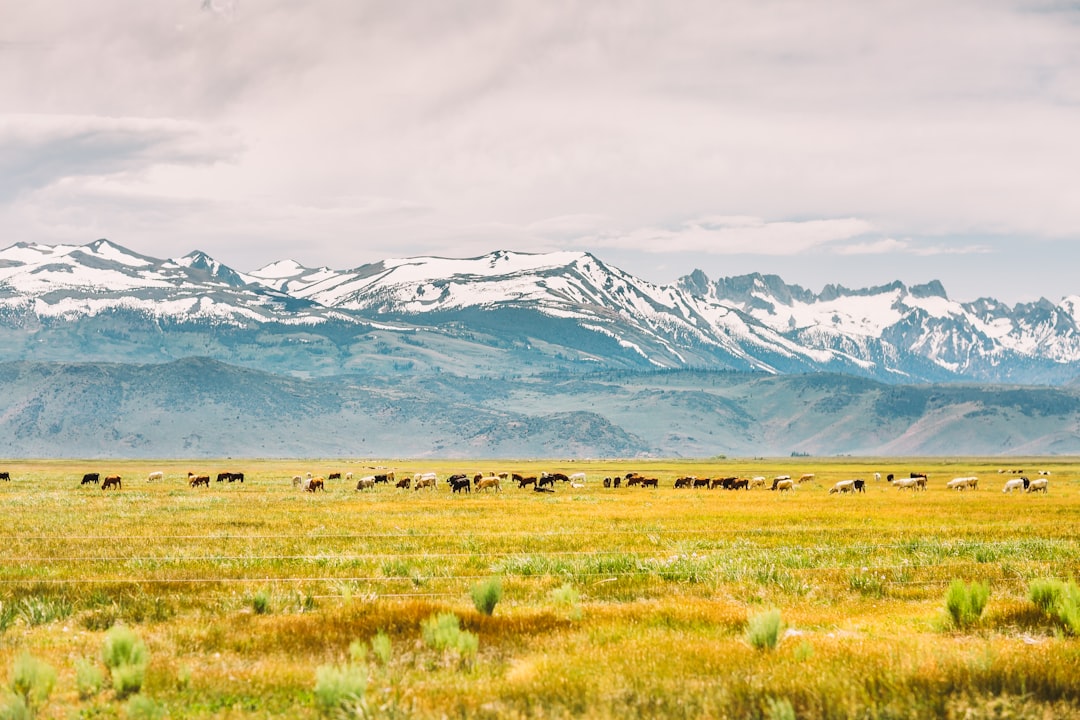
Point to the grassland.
(615, 602)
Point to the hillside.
(204, 408)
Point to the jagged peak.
(934, 288)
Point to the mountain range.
(511, 313)
(483, 349)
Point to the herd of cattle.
(545, 482)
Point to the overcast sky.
(852, 142)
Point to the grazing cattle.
(844, 486)
(387, 477)
(1038, 485)
(545, 480)
(719, 482)
(403, 483)
(860, 485)
(111, 481)
(739, 484)
(429, 479)
(88, 478)
(315, 484)
(783, 484)
(334, 476)
(701, 482)
(917, 475)
(758, 481)
(908, 484)
(631, 481)
(889, 477)
(348, 476)
(616, 481)
(221, 477)
(366, 483)
(459, 484)
(523, 481)
(156, 475)
(236, 477)
(683, 482)
(607, 482)
(806, 477)
(197, 480)
(488, 483)
(1020, 483)
(297, 481)
(650, 482)
(963, 483)
(555, 476)
(5, 476)
(577, 477)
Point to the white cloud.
(738, 235)
(359, 128)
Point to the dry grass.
(663, 582)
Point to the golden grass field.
(615, 603)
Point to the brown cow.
(111, 481)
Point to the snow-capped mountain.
(72, 282)
(980, 340)
(510, 313)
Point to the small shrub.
(14, 708)
(1045, 594)
(779, 709)
(140, 707)
(260, 602)
(32, 682)
(7, 615)
(126, 657)
(1059, 601)
(88, 678)
(382, 648)
(443, 632)
(965, 603)
(763, 630)
(42, 610)
(340, 690)
(566, 596)
(486, 595)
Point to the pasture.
(614, 602)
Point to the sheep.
(1038, 485)
(963, 483)
(1020, 483)
(844, 486)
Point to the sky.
(851, 142)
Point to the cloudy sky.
(851, 142)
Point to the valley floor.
(258, 599)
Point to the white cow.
(156, 475)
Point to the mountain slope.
(203, 408)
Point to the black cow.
(860, 485)
(460, 484)
(5, 476)
(89, 478)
